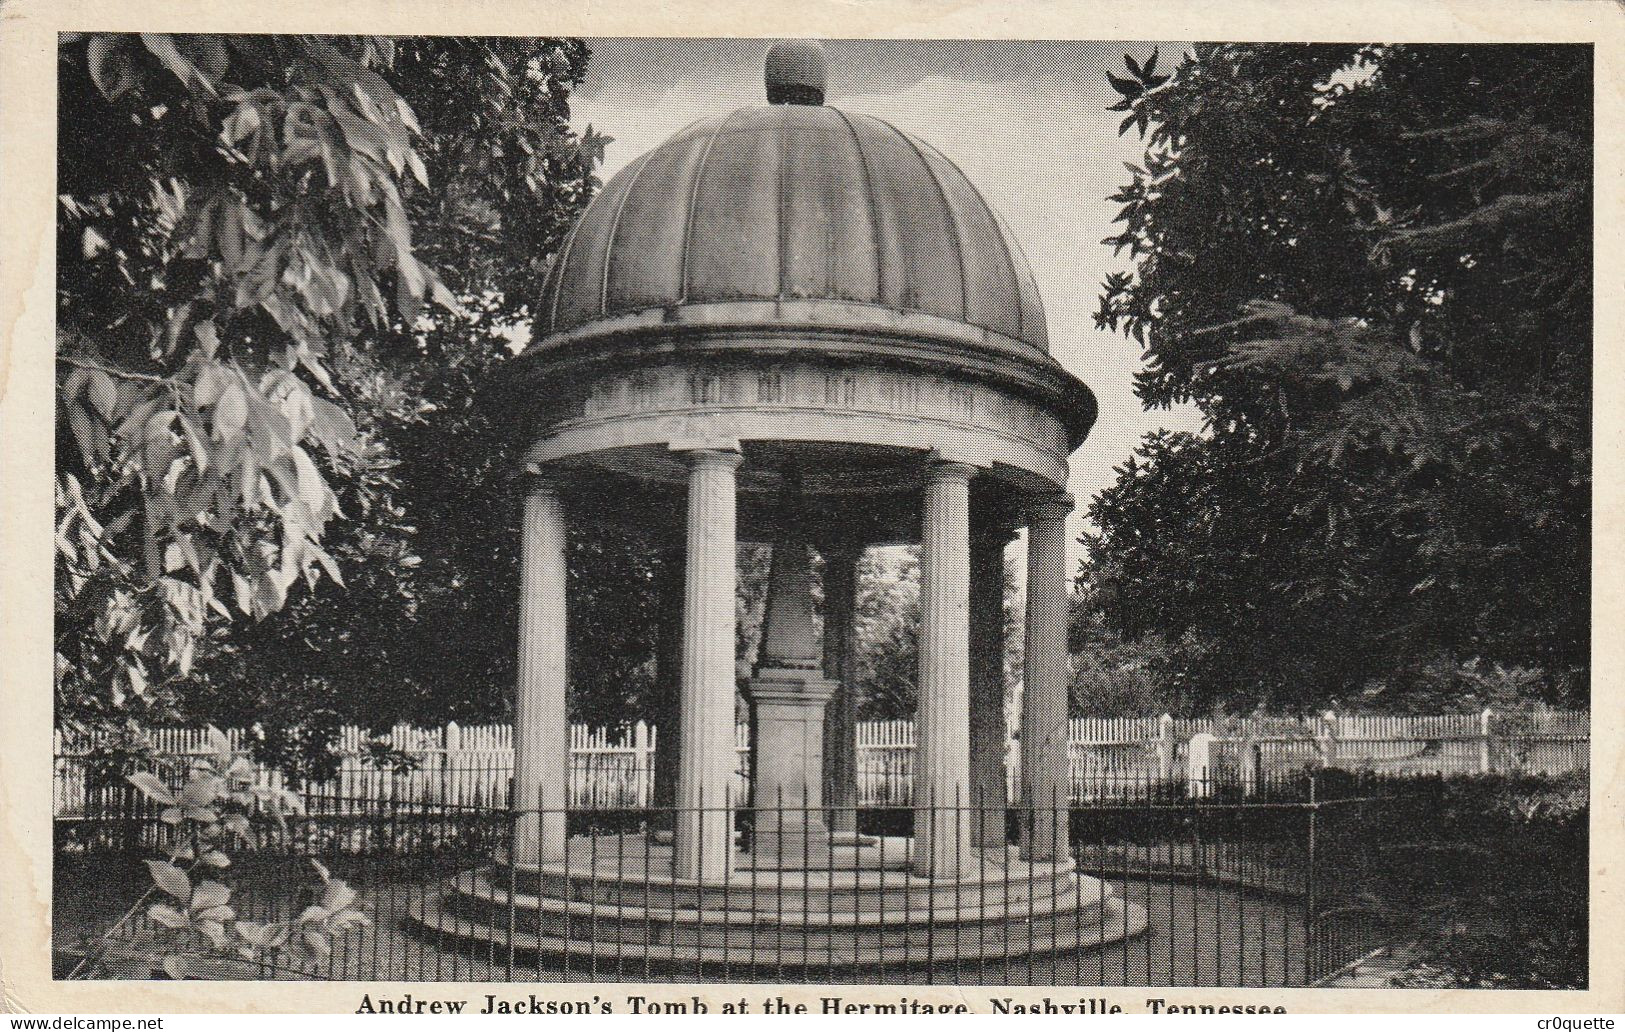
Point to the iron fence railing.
(1157, 884)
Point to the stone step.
(475, 898)
(772, 890)
(1080, 890)
(950, 944)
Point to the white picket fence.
(471, 766)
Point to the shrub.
(1495, 870)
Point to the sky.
(1026, 121)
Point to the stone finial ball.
(795, 72)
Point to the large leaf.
(201, 791)
(332, 427)
(231, 414)
(338, 896)
(220, 744)
(209, 894)
(152, 787)
(171, 879)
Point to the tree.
(1369, 268)
(1115, 677)
(238, 283)
(427, 630)
(888, 632)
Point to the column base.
(942, 847)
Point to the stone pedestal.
(788, 718)
(942, 738)
(787, 696)
(541, 728)
(1046, 792)
(704, 833)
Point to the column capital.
(940, 470)
(1056, 506)
(729, 457)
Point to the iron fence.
(1228, 885)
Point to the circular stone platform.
(616, 898)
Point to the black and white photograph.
(1042, 517)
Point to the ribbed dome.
(795, 202)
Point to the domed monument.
(799, 326)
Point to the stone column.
(787, 695)
(541, 727)
(1046, 790)
(841, 666)
(704, 835)
(941, 731)
(987, 727)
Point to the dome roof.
(795, 203)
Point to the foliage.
(754, 569)
(1369, 268)
(426, 631)
(245, 236)
(1493, 870)
(212, 811)
(231, 212)
(888, 632)
(1447, 685)
(888, 626)
(1115, 677)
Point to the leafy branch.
(210, 813)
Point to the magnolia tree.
(1369, 267)
(242, 307)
